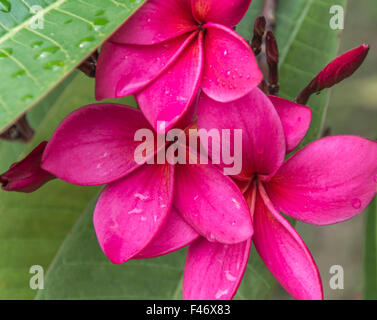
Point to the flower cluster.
(188, 68)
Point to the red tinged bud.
(27, 174)
(272, 53)
(336, 71)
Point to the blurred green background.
(352, 110)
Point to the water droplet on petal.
(229, 276)
(136, 210)
(221, 293)
(356, 203)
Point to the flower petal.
(263, 141)
(230, 68)
(229, 13)
(131, 211)
(284, 253)
(169, 96)
(328, 181)
(95, 144)
(295, 118)
(124, 69)
(175, 235)
(157, 21)
(214, 271)
(212, 203)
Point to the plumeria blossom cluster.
(181, 59)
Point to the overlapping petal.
(230, 69)
(94, 145)
(263, 141)
(295, 119)
(214, 271)
(284, 253)
(124, 69)
(212, 203)
(131, 211)
(168, 98)
(175, 235)
(157, 21)
(225, 12)
(328, 181)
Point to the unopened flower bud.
(259, 30)
(336, 71)
(27, 174)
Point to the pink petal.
(175, 235)
(229, 13)
(212, 203)
(157, 21)
(230, 68)
(214, 271)
(263, 140)
(95, 144)
(284, 252)
(328, 181)
(169, 96)
(124, 69)
(295, 118)
(131, 211)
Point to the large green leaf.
(33, 61)
(370, 253)
(87, 274)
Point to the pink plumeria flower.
(169, 49)
(135, 216)
(328, 181)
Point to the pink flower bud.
(27, 174)
(336, 71)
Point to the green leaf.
(370, 253)
(81, 271)
(33, 60)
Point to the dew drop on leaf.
(5, 6)
(85, 42)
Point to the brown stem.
(19, 131)
(269, 69)
(89, 66)
(268, 11)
